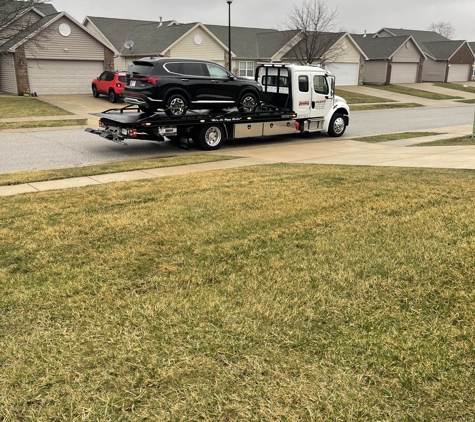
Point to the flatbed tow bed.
(207, 128)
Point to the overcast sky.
(353, 15)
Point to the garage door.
(345, 73)
(458, 72)
(62, 76)
(404, 73)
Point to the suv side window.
(194, 69)
(216, 71)
(174, 68)
(320, 84)
(109, 77)
(303, 83)
(103, 76)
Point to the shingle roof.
(379, 48)
(25, 33)
(46, 8)
(443, 50)
(117, 30)
(152, 39)
(327, 41)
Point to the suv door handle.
(214, 81)
(185, 80)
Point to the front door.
(321, 98)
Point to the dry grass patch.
(384, 106)
(356, 98)
(394, 136)
(460, 140)
(41, 175)
(457, 87)
(399, 89)
(28, 107)
(271, 293)
(42, 123)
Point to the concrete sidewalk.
(345, 151)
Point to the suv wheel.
(95, 94)
(248, 102)
(112, 96)
(176, 105)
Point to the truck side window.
(320, 84)
(303, 83)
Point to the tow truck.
(295, 99)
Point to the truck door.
(321, 95)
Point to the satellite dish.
(129, 44)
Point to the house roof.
(328, 39)
(381, 48)
(421, 37)
(116, 31)
(23, 35)
(46, 8)
(443, 50)
(39, 26)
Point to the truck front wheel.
(337, 125)
(209, 137)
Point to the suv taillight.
(150, 80)
(118, 85)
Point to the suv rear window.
(141, 68)
(123, 79)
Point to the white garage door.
(404, 73)
(62, 76)
(458, 72)
(345, 73)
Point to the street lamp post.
(229, 34)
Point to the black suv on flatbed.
(176, 85)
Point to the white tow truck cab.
(307, 90)
(295, 99)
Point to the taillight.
(118, 85)
(150, 80)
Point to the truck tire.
(209, 137)
(337, 125)
(176, 105)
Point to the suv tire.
(112, 96)
(95, 94)
(176, 105)
(248, 102)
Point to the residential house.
(391, 60)
(446, 60)
(54, 54)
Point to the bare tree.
(316, 25)
(443, 28)
(13, 17)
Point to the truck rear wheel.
(209, 137)
(337, 125)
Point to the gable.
(23, 21)
(198, 44)
(463, 55)
(345, 51)
(408, 52)
(78, 45)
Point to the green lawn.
(395, 136)
(457, 87)
(461, 140)
(269, 293)
(42, 123)
(12, 107)
(384, 106)
(415, 92)
(355, 98)
(107, 168)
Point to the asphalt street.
(69, 148)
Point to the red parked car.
(109, 83)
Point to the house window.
(246, 69)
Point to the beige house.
(55, 54)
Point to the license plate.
(132, 83)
